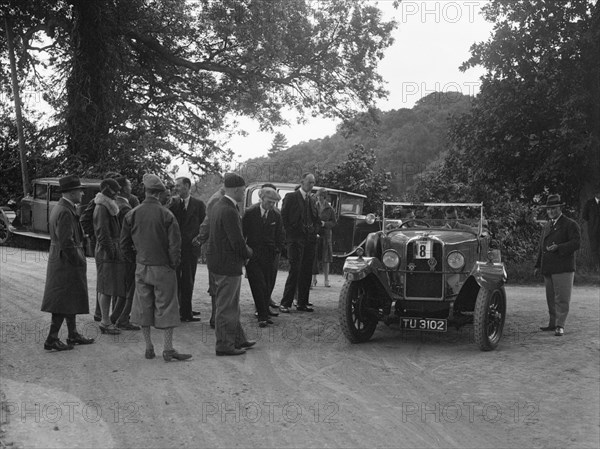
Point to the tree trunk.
(17, 98)
(89, 87)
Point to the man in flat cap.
(151, 237)
(226, 254)
(66, 291)
(263, 230)
(556, 260)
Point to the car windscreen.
(443, 216)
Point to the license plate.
(423, 249)
(424, 324)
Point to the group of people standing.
(146, 257)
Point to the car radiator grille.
(422, 282)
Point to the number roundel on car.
(456, 260)
(390, 258)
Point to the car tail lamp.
(390, 259)
(456, 260)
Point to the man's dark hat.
(233, 180)
(69, 183)
(553, 201)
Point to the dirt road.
(302, 385)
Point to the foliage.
(532, 128)
(279, 144)
(151, 82)
(358, 175)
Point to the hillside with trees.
(404, 141)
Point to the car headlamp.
(390, 259)
(456, 260)
(370, 219)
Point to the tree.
(534, 126)
(358, 175)
(279, 144)
(151, 81)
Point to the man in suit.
(66, 290)
(556, 260)
(200, 240)
(263, 231)
(591, 216)
(301, 223)
(150, 237)
(190, 213)
(226, 254)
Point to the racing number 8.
(422, 251)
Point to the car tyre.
(4, 228)
(357, 327)
(489, 316)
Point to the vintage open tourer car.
(30, 217)
(430, 267)
(352, 226)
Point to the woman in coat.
(110, 265)
(325, 249)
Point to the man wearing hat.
(66, 292)
(556, 260)
(151, 237)
(263, 230)
(226, 254)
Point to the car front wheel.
(490, 313)
(356, 324)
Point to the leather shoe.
(262, 324)
(110, 330)
(273, 313)
(195, 313)
(284, 309)
(97, 318)
(150, 353)
(232, 352)
(548, 328)
(79, 339)
(173, 354)
(559, 332)
(274, 305)
(248, 344)
(58, 345)
(190, 319)
(304, 309)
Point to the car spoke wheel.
(4, 230)
(490, 313)
(357, 326)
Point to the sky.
(431, 41)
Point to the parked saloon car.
(352, 226)
(426, 274)
(30, 217)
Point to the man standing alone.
(556, 259)
(150, 237)
(66, 291)
(226, 255)
(190, 213)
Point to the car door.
(39, 208)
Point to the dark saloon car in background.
(426, 273)
(352, 226)
(30, 216)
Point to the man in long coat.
(66, 291)
(591, 216)
(226, 254)
(556, 260)
(190, 213)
